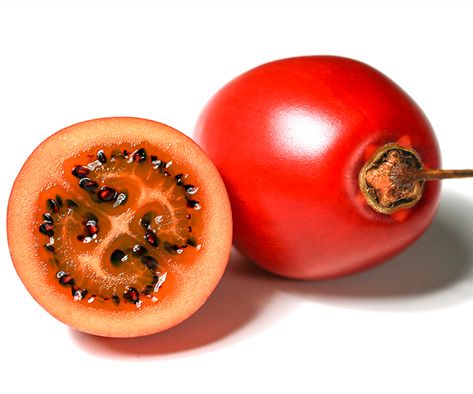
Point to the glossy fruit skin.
(289, 139)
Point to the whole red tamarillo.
(327, 163)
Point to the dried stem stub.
(394, 178)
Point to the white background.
(405, 327)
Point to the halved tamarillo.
(119, 227)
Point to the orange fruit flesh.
(125, 234)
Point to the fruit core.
(119, 226)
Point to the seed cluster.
(190, 190)
(103, 193)
(137, 253)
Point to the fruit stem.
(438, 174)
(394, 178)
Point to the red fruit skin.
(289, 139)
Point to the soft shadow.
(243, 291)
(435, 272)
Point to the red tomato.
(290, 138)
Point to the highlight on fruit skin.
(119, 227)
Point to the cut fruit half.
(119, 227)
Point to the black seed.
(192, 242)
(48, 218)
(53, 205)
(50, 247)
(83, 292)
(188, 216)
(170, 248)
(148, 290)
(158, 164)
(132, 295)
(121, 200)
(153, 158)
(116, 299)
(152, 238)
(150, 263)
(71, 203)
(189, 229)
(139, 156)
(192, 203)
(67, 280)
(179, 179)
(80, 171)
(101, 156)
(118, 257)
(91, 228)
(125, 153)
(146, 220)
(139, 250)
(47, 229)
(59, 200)
(190, 189)
(107, 193)
(88, 184)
